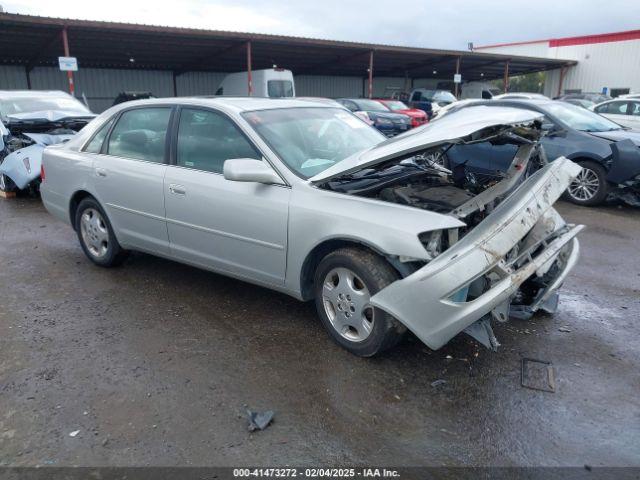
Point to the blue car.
(608, 153)
(387, 122)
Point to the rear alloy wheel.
(590, 186)
(345, 281)
(96, 235)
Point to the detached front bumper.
(522, 238)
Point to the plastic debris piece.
(564, 329)
(438, 382)
(259, 420)
(74, 433)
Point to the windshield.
(279, 88)
(10, 106)
(581, 119)
(370, 105)
(310, 140)
(396, 105)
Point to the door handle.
(177, 189)
(101, 172)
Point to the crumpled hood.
(50, 115)
(617, 135)
(452, 128)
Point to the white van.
(484, 90)
(271, 82)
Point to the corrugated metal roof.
(35, 41)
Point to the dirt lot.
(154, 363)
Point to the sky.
(418, 23)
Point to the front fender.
(317, 216)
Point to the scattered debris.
(438, 382)
(74, 433)
(564, 329)
(537, 375)
(259, 420)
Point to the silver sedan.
(307, 199)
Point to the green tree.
(531, 82)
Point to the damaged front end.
(624, 173)
(21, 147)
(508, 260)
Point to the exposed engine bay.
(421, 180)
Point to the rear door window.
(206, 139)
(95, 145)
(141, 134)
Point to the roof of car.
(238, 104)
(30, 93)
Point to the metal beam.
(457, 72)
(506, 76)
(27, 72)
(249, 60)
(371, 74)
(65, 44)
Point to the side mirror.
(250, 170)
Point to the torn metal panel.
(422, 301)
(515, 172)
(483, 333)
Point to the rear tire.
(344, 282)
(590, 187)
(96, 236)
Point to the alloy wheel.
(95, 233)
(585, 186)
(346, 302)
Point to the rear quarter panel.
(66, 172)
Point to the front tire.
(345, 280)
(96, 235)
(590, 187)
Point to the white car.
(624, 111)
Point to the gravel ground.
(154, 363)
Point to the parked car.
(580, 102)
(594, 97)
(630, 95)
(29, 121)
(380, 117)
(430, 101)
(307, 200)
(626, 112)
(608, 153)
(478, 90)
(521, 96)
(128, 96)
(270, 82)
(418, 117)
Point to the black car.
(387, 122)
(608, 152)
(129, 96)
